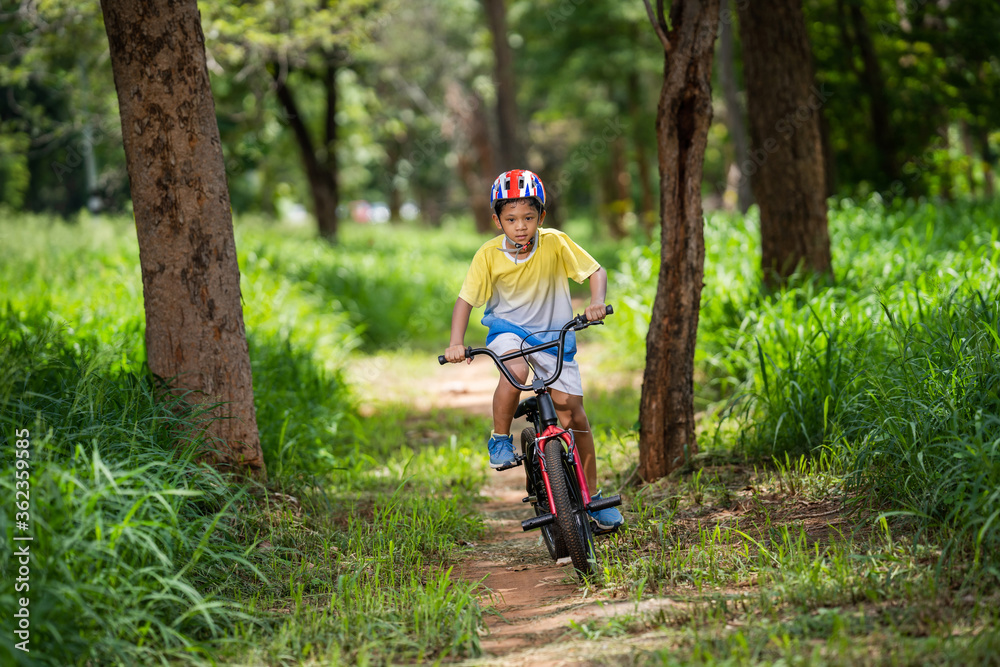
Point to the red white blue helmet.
(517, 184)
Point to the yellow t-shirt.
(527, 295)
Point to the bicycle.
(555, 482)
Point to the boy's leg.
(506, 396)
(569, 408)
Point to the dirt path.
(530, 601)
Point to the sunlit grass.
(344, 557)
(844, 505)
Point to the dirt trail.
(529, 599)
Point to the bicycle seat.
(527, 406)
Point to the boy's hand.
(596, 311)
(456, 354)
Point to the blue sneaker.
(608, 519)
(501, 450)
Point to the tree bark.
(684, 114)
(195, 335)
(786, 149)
(737, 181)
(509, 153)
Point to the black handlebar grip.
(468, 355)
(609, 310)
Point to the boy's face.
(519, 221)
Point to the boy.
(521, 277)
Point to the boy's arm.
(459, 323)
(598, 291)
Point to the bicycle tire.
(551, 534)
(571, 517)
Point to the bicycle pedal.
(518, 460)
(597, 531)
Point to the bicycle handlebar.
(578, 323)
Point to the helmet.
(515, 184)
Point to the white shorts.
(569, 381)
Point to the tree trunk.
(968, 147)
(829, 159)
(320, 166)
(683, 116)
(983, 136)
(469, 133)
(646, 211)
(786, 149)
(946, 170)
(874, 83)
(738, 182)
(619, 192)
(509, 153)
(195, 336)
(394, 152)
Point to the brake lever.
(584, 325)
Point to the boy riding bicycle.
(521, 278)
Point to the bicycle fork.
(589, 503)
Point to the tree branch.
(657, 22)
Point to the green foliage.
(85, 277)
(150, 557)
(396, 287)
(892, 368)
(129, 530)
(362, 577)
(936, 452)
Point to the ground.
(531, 603)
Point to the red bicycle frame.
(567, 437)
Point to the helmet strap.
(518, 248)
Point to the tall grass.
(395, 287)
(924, 439)
(149, 557)
(128, 528)
(892, 367)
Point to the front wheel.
(571, 516)
(551, 534)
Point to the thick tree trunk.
(738, 182)
(786, 148)
(509, 153)
(195, 336)
(684, 114)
